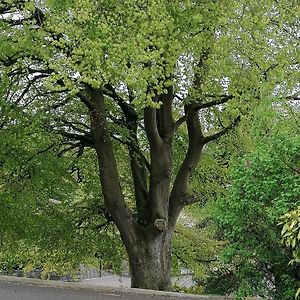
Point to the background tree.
(264, 186)
(125, 76)
(50, 216)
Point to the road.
(26, 289)
(21, 291)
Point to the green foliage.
(140, 43)
(195, 247)
(197, 242)
(291, 235)
(49, 220)
(265, 185)
(291, 231)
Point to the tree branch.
(217, 135)
(29, 85)
(41, 152)
(135, 149)
(84, 99)
(222, 99)
(138, 161)
(295, 97)
(73, 125)
(127, 108)
(196, 107)
(86, 138)
(165, 114)
(151, 129)
(179, 190)
(108, 171)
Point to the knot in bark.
(160, 224)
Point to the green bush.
(265, 185)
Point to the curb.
(114, 290)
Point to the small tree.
(265, 185)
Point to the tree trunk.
(148, 237)
(150, 261)
(148, 243)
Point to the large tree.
(113, 75)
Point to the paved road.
(27, 291)
(21, 291)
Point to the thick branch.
(165, 114)
(179, 190)
(84, 99)
(77, 126)
(138, 162)
(111, 187)
(295, 97)
(196, 143)
(84, 138)
(221, 100)
(151, 127)
(196, 107)
(127, 108)
(158, 130)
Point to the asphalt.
(21, 291)
(14, 288)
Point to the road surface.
(32, 289)
(21, 291)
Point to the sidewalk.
(125, 281)
(108, 281)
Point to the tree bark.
(150, 261)
(148, 244)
